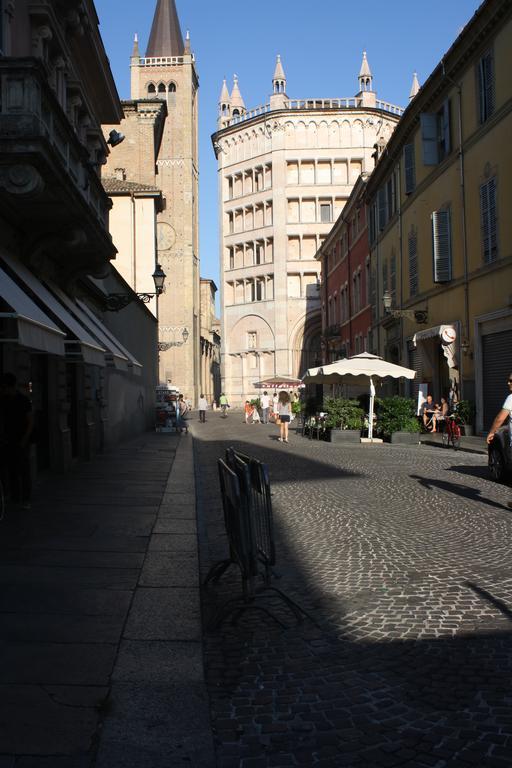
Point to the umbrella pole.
(370, 414)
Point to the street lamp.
(114, 302)
(163, 346)
(420, 315)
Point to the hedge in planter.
(397, 414)
(343, 414)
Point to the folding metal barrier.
(247, 504)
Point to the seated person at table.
(428, 413)
(442, 411)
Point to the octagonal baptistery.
(285, 170)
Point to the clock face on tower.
(165, 236)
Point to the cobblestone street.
(402, 556)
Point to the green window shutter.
(446, 128)
(442, 246)
(413, 263)
(489, 221)
(429, 138)
(381, 198)
(409, 169)
(486, 90)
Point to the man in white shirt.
(265, 405)
(501, 416)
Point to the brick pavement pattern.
(101, 658)
(402, 554)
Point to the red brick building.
(346, 290)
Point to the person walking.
(248, 411)
(202, 406)
(16, 426)
(501, 417)
(284, 411)
(224, 405)
(181, 409)
(275, 403)
(265, 407)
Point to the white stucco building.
(285, 171)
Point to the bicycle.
(452, 432)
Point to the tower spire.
(165, 38)
(224, 105)
(135, 51)
(414, 87)
(365, 75)
(237, 102)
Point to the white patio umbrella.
(362, 369)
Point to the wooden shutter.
(413, 263)
(489, 222)
(429, 138)
(442, 246)
(409, 169)
(446, 128)
(486, 93)
(381, 197)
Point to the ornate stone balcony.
(49, 184)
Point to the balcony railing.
(42, 157)
(351, 102)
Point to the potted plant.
(397, 420)
(344, 419)
(466, 411)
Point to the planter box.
(467, 430)
(405, 438)
(344, 435)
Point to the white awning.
(430, 333)
(449, 349)
(79, 344)
(29, 325)
(113, 355)
(132, 361)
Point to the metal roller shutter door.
(497, 365)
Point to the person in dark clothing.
(16, 425)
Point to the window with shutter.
(413, 263)
(442, 246)
(429, 138)
(381, 199)
(385, 285)
(392, 274)
(486, 91)
(489, 220)
(409, 169)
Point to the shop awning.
(132, 361)
(446, 334)
(113, 355)
(26, 324)
(79, 344)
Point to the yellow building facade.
(440, 232)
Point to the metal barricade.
(256, 486)
(247, 505)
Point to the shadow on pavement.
(408, 668)
(463, 491)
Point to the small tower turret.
(414, 87)
(366, 96)
(278, 98)
(134, 68)
(224, 106)
(237, 103)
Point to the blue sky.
(321, 46)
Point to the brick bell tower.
(167, 71)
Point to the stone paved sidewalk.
(101, 660)
(402, 555)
